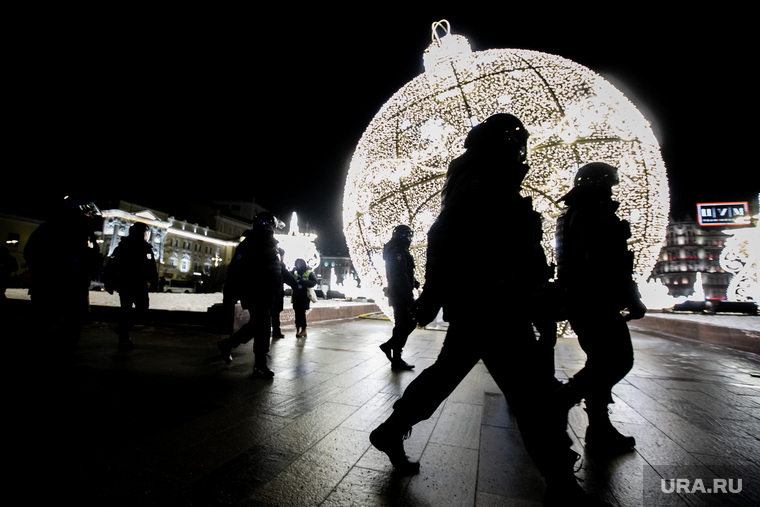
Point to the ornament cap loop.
(444, 48)
(444, 24)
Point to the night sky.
(165, 108)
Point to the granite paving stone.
(170, 424)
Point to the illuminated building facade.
(188, 253)
(689, 249)
(185, 251)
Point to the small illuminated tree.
(298, 245)
(574, 117)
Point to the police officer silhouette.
(595, 269)
(253, 278)
(399, 269)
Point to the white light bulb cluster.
(574, 117)
(741, 257)
(298, 245)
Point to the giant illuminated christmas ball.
(574, 117)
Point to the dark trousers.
(605, 339)
(276, 321)
(299, 310)
(58, 320)
(259, 328)
(402, 327)
(134, 306)
(547, 340)
(513, 361)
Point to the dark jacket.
(63, 258)
(481, 197)
(592, 251)
(399, 269)
(304, 279)
(279, 297)
(132, 267)
(255, 272)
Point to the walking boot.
(386, 348)
(399, 364)
(261, 370)
(225, 349)
(602, 437)
(390, 440)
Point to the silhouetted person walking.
(305, 279)
(63, 258)
(595, 267)
(131, 271)
(253, 278)
(485, 181)
(399, 270)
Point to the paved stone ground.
(170, 424)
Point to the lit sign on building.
(723, 213)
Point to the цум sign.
(723, 213)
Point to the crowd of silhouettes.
(592, 259)
(486, 180)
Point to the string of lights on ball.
(574, 117)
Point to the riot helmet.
(81, 213)
(597, 174)
(138, 229)
(501, 130)
(403, 232)
(266, 220)
(74, 206)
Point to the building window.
(185, 264)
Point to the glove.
(426, 308)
